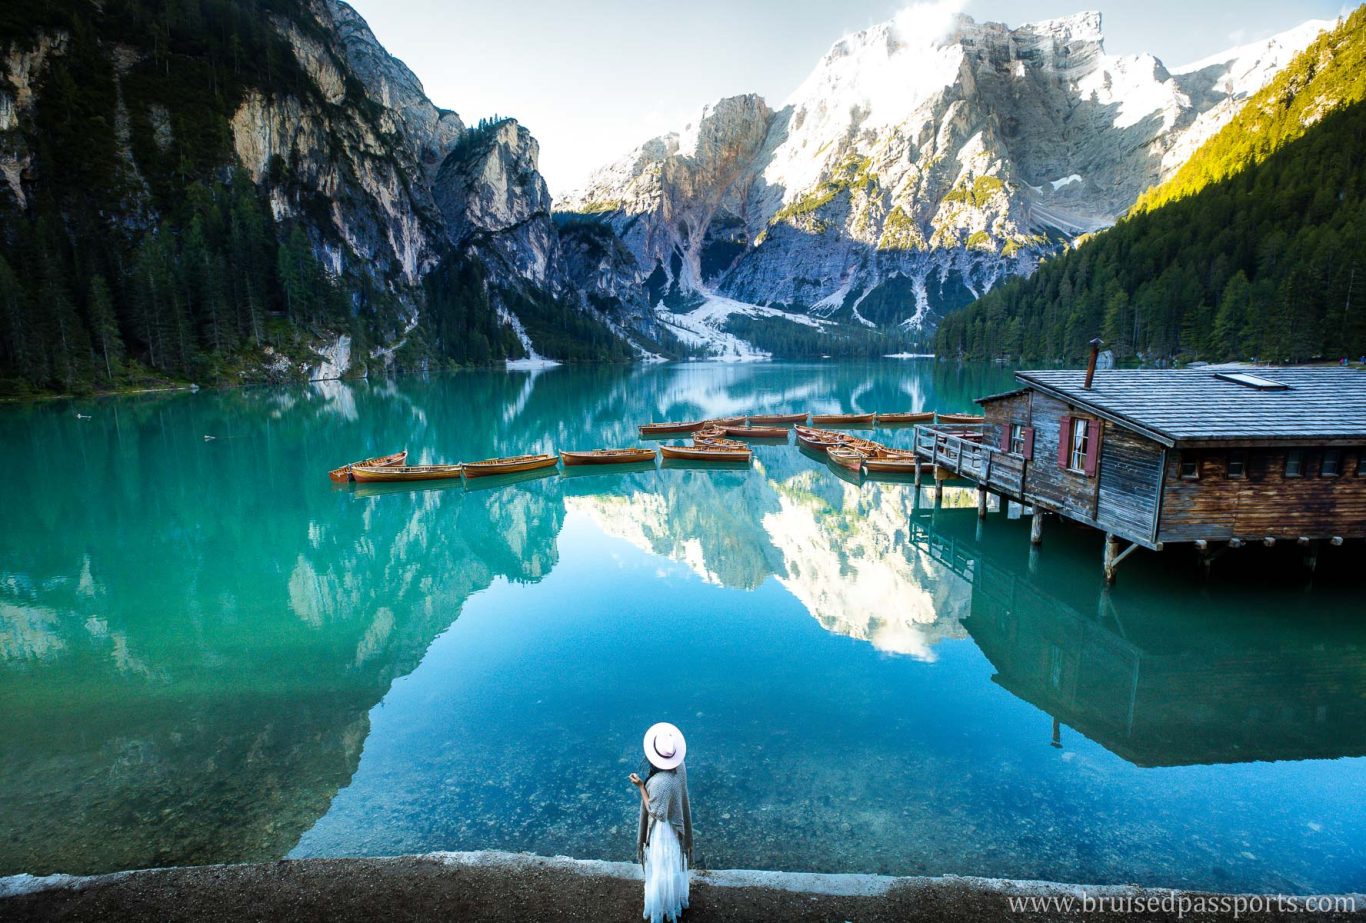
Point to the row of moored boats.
(713, 441)
(748, 425)
(855, 454)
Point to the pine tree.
(1230, 319)
(104, 327)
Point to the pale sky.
(592, 79)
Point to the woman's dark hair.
(648, 769)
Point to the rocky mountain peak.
(921, 161)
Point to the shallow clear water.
(208, 653)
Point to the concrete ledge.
(514, 886)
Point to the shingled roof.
(1197, 406)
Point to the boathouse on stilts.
(1216, 457)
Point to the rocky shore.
(504, 886)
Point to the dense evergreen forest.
(1255, 249)
(139, 252)
(792, 340)
(112, 276)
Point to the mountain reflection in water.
(210, 654)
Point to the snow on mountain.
(1231, 77)
(705, 326)
(921, 161)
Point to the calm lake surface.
(209, 653)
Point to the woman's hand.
(635, 780)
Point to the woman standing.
(664, 843)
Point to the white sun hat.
(665, 746)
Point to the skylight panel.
(1248, 380)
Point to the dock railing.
(962, 449)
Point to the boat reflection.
(498, 481)
(570, 472)
(384, 488)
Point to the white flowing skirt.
(666, 875)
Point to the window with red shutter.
(1005, 436)
(1092, 462)
(1028, 443)
(1064, 441)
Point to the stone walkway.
(502, 886)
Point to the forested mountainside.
(921, 162)
(227, 190)
(1256, 248)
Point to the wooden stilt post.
(1311, 554)
(1111, 553)
(1036, 527)
(1206, 556)
(917, 471)
(981, 503)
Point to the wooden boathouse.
(1217, 457)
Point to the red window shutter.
(1028, 442)
(1093, 431)
(1006, 427)
(1064, 441)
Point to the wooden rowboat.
(513, 464)
(830, 437)
(756, 432)
(370, 490)
(817, 445)
(705, 453)
(343, 474)
(769, 418)
(846, 457)
(365, 474)
(919, 416)
(607, 456)
(718, 442)
(960, 417)
(890, 461)
(661, 429)
(843, 419)
(818, 440)
(890, 465)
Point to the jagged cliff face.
(374, 164)
(918, 164)
(494, 201)
(386, 185)
(23, 69)
(409, 183)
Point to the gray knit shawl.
(668, 792)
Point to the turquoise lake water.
(209, 653)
